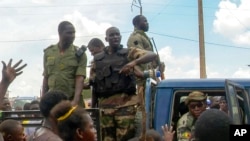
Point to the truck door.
(238, 102)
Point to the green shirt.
(140, 40)
(62, 69)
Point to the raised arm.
(9, 73)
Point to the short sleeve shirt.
(140, 40)
(62, 69)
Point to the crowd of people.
(117, 79)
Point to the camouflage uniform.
(185, 127)
(139, 39)
(61, 70)
(118, 109)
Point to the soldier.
(140, 40)
(115, 86)
(64, 67)
(95, 46)
(196, 102)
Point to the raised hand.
(168, 133)
(9, 72)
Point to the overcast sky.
(29, 26)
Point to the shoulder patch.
(186, 135)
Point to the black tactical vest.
(108, 81)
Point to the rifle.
(161, 65)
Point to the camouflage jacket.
(185, 128)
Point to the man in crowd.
(196, 102)
(65, 65)
(115, 86)
(213, 125)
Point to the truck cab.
(165, 101)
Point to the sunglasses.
(199, 105)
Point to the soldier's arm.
(79, 79)
(79, 82)
(45, 86)
(138, 56)
(94, 97)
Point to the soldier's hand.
(126, 69)
(9, 72)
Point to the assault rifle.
(161, 65)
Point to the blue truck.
(164, 101)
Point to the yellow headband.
(67, 114)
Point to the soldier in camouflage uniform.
(196, 102)
(64, 68)
(115, 86)
(139, 39)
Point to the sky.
(30, 26)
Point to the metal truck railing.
(27, 116)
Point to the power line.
(38, 40)
(69, 5)
(160, 34)
(192, 40)
(236, 17)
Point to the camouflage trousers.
(118, 123)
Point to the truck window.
(234, 110)
(239, 99)
(242, 100)
(179, 108)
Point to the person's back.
(213, 125)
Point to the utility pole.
(134, 3)
(201, 41)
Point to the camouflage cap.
(195, 96)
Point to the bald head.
(111, 29)
(113, 37)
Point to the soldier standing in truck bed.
(115, 86)
(64, 67)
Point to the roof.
(209, 82)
